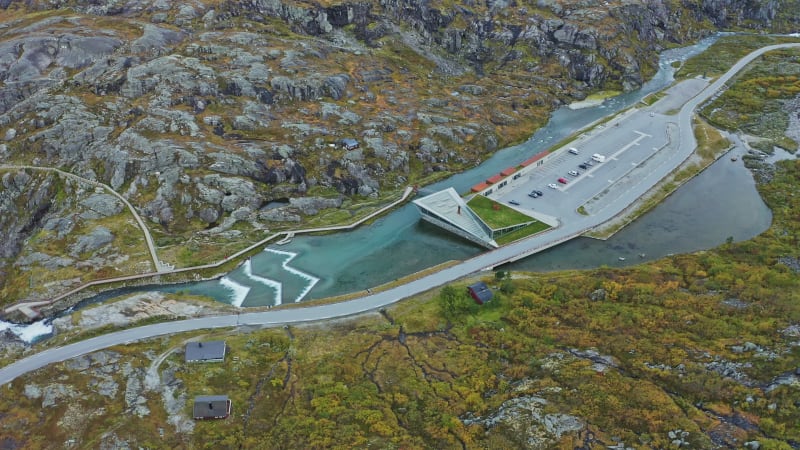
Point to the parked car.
(563, 180)
(598, 157)
(583, 166)
(533, 194)
(574, 173)
(573, 150)
(513, 202)
(552, 186)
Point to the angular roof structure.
(480, 186)
(448, 210)
(508, 171)
(533, 159)
(494, 179)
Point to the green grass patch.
(650, 99)
(602, 95)
(496, 215)
(528, 230)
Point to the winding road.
(375, 301)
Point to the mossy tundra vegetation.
(690, 351)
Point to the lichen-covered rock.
(99, 237)
(279, 215)
(46, 261)
(53, 394)
(101, 205)
(312, 205)
(525, 416)
(156, 40)
(135, 399)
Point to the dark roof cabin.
(211, 351)
(349, 143)
(211, 407)
(480, 292)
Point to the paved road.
(321, 312)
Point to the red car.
(562, 180)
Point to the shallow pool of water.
(719, 203)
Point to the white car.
(552, 186)
(573, 150)
(574, 173)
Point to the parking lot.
(634, 144)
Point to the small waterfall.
(239, 291)
(248, 271)
(28, 333)
(312, 280)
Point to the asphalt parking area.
(627, 142)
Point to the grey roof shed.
(211, 351)
(480, 292)
(211, 407)
(349, 143)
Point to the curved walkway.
(149, 239)
(483, 261)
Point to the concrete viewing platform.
(446, 209)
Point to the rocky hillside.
(203, 113)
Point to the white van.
(598, 157)
(573, 150)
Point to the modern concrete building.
(211, 351)
(446, 209)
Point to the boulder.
(208, 215)
(279, 215)
(598, 295)
(61, 225)
(44, 260)
(53, 394)
(156, 40)
(99, 237)
(101, 205)
(312, 205)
